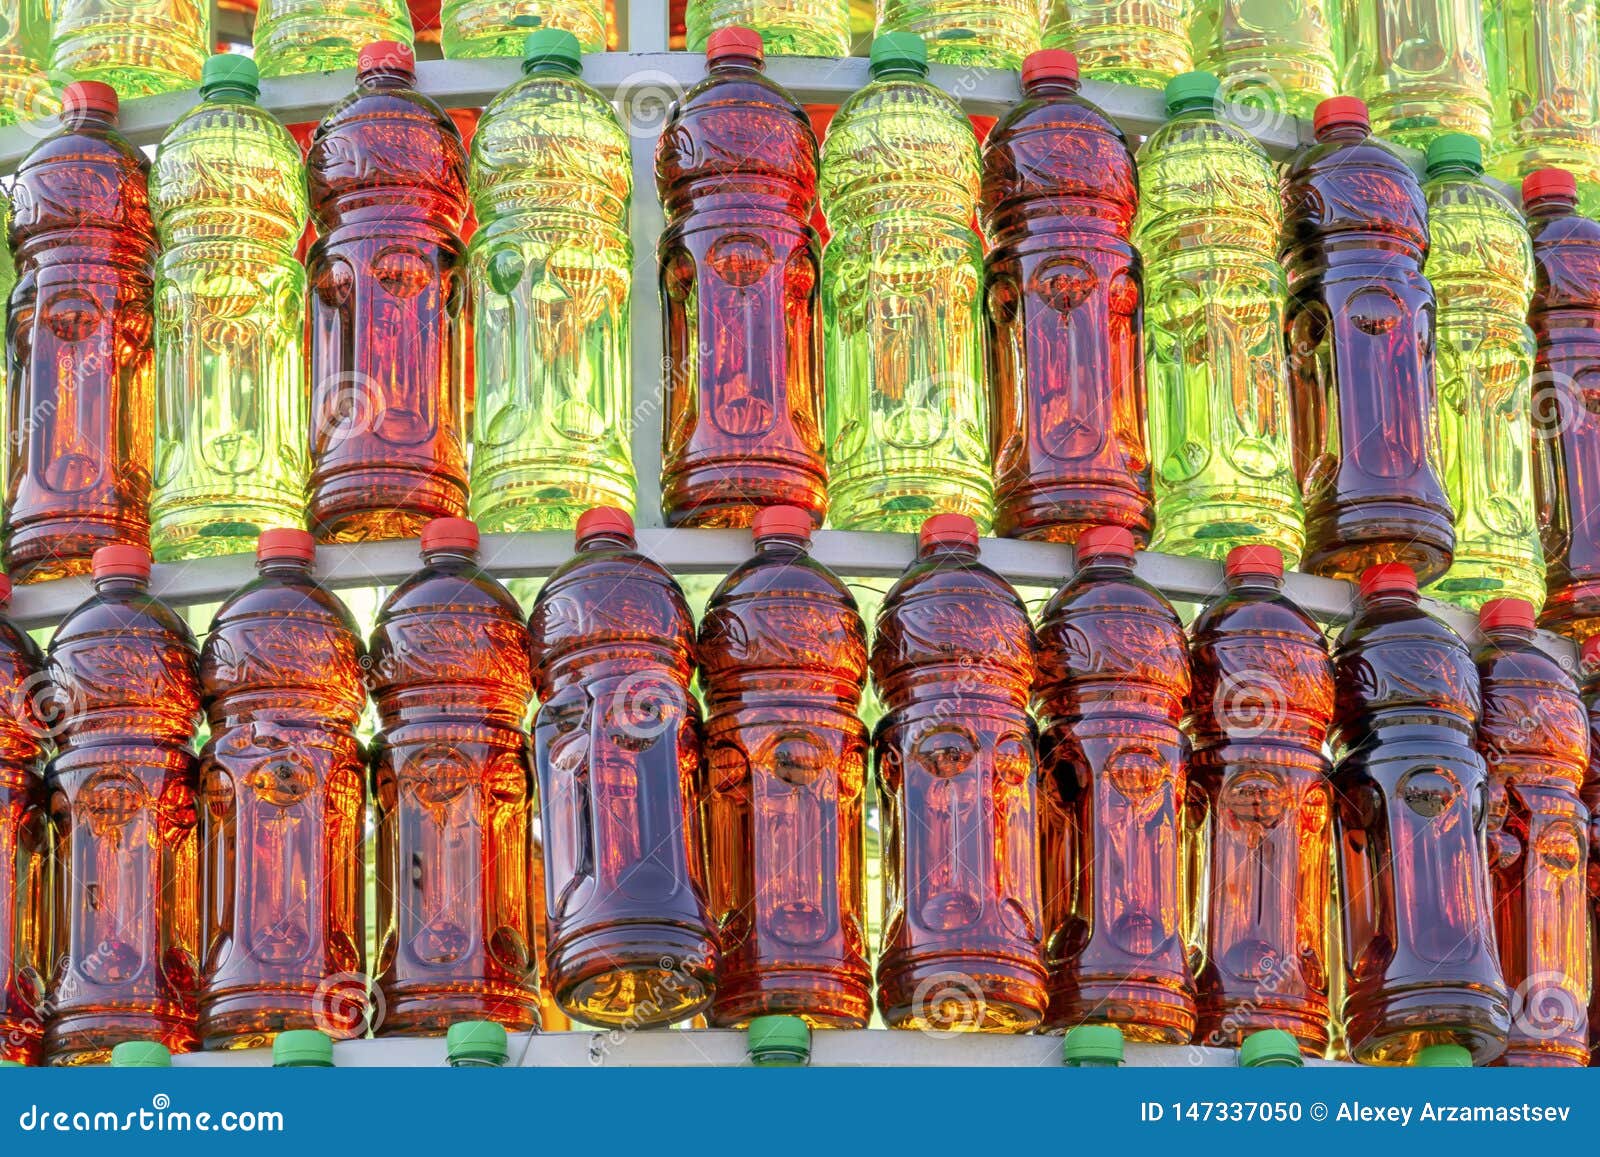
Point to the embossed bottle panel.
(1279, 57)
(299, 36)
(1138, 42)
(25, 90)
(24, 841)
(1422, 65)
(786, 27)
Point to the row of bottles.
(1153, 853)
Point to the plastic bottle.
(453, 795)
(1281, 58)
(25, 90)
(388, 185)
(967, 33)
(1544, 73)
(125, 693)
(228, 195)
(1590, 794)
(548, 274)
(1138, 42)
(296, 36)
(1565, 317)
(78, 423)
(736, 167)
(783, 662)
(1481, 269)
(902, 291)
(138, 47)
(1113, 677)
(1065, 311)
(1534, 737)
(1360, 334)
(1263, 696)
(283, 815)
(617, 747)
(482, 28)
(1422, 68)
(24, 840)
(953, 663)
(1411, 801)
(1220, 437)
(787, 27)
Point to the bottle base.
(430, 1010)
(1473, 580)
(248, 1019)
(1225, 1025)
(634, 975)
(54, 549)
(384, 504)
(1146, 1011)
(87, 1038)
(821, 999)
(206, 528)
(900, 504)
(544, 501)
(723, 499)
(955, 992)
(1554, 1053)
(1208, 528)
(1060, 514)
(1573, 611)
(1343, 544)
(1391, 1030)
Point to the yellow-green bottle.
(902, 292)
(1544, 72)
(986, 33)
(548, 274)
(787, 27)
(25, 92)
(228, 196)
(472, 29)
(1421, 66)
(1481, 265)
(1208, 229)
(296, 36)
(138, 47)
(1139, 42)
(1282, 57)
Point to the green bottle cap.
(302, 1048)
(1189, 91)
(1271, 1048)
(898, 52)
(1443, 1057)
(476, 1042)
(141, 1054)
(772, 1041)
(1092, 1045)
(552, 50)
(1454, 151)
(12, 1065)
(230, 72)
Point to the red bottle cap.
(604, 520)
(450, 534)
(1116, 541)
(1254, 559)
(1589, 654)
(1340, 110)
(289, 543)
(1549, 183)
(120, 562)
(1049, 64)
(735, 43)
(1505, 613)
(1387, 577)
(948, 530)
(386, 56)
(5, 589)
(781, 521)
(89, 96)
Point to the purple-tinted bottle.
(24, 840)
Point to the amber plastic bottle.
(1411, 799)
(24, 840)
(283, 807)
(1591, 800)
(126, 693)
(1113, 679)
(953, 663)
(1534, 737)
(617, 747)
(1259, 714)
(453, 794)
(783, 661)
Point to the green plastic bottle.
(787, 27)
(548, 274)
(986, 33)
(25, 92)
(1544, 73)
(228, 195)
(902, 291)
(1421, 67)
(1481, 266)
(295, 36)
(1139, 42)
(471, 29)
(138, 47)
(1208, 225)
(1281, 57)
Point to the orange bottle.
(1534, 737)
(453, 795)
(1591, 800)
(1113, 679)
(283, 815)
(783, 661)
(24, 841)
(953, 663)
(617, 746)
(122, 803)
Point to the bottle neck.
(1342, 133)
(1395, 599)
(1460, 171)
(593, 542)
(953, 551)
(782, 544)
(283, 566)
(387, 78)
(1051, 86)
(120, 584)
(1551, 206)
(1108, 564)
(78, 120)
(736, 66)
(1254, 581)
(1504, 636)
(450, 556)
(899, 72)
(222, 92)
